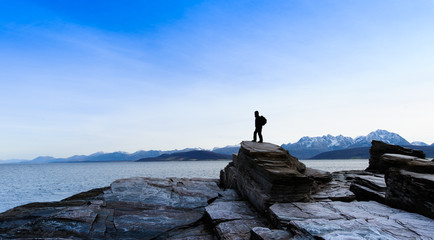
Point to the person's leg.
(260, 135)
(254, 135)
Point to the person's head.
(256, 114)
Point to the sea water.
(26, 183)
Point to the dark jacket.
(258, 123)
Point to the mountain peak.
(380, 135)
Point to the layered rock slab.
(135, 208)
(410, 191)
(410, 163)
(378, 149)
(354, 220)
(369, 187)
(265, 173)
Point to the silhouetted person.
(259, 122)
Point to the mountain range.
(195, 155)
(107, 157)
(306, 148)
(311, 147)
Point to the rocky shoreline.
(264, 193)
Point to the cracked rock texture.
(134, 208)
(354, 220)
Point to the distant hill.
(196, 155)
(363, 153)
(228, 150)
(105, 157)
(352, 153)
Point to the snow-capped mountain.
(417, 143)
(380, 135)
(308, 147)
(326, 141)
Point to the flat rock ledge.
(305, 204)
(134, 208)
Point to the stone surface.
(354, 220)
(232, 219)
(378, 148)
(135, 208)
(369, 187)
(261, 233)
(338, 189)
(409, 163)
(265, 173)
(411, 191)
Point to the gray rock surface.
(261, 233)
(369, 187)
(135, 208)
(354, 220)
(232, 219)
(338, 189)
(409, 163)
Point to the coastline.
(347, 202)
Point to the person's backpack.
(263, 120)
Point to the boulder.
(378, 148)
(411, 191)
(265, 173)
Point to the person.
(259, 122)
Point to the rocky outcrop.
(410, 163)
(408, 182)
(411, 191)
(265, 173)
(279, 199)
(378, 148)
(135, 208)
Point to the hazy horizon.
(79, 77)
(172, 149)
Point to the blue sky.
(77, 77)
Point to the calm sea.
(25, 183)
